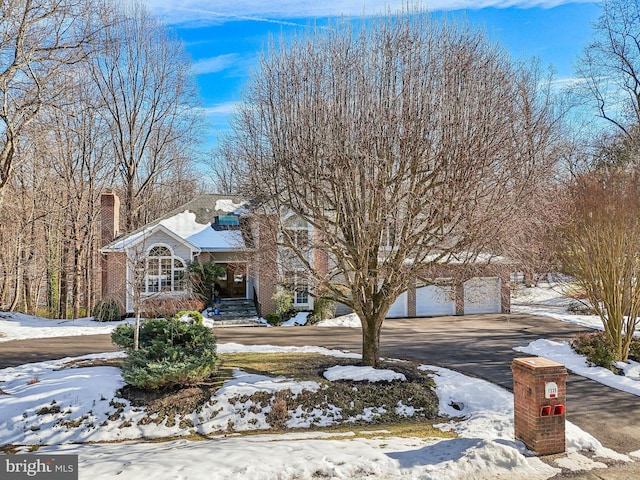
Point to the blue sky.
(226, 37)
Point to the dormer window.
(226, 222)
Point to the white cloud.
(204, 12)
(225, 108)
(215, 64)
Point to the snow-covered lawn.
(18, 326)
(551, 300)
(44, 404)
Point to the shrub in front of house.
(597, 348)
(283, 299)
(274, 319)
(323, 309)
(169, 307)
(171, 353)
(634, 350)
(193, 316)
(107, 310)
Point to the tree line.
(94, 95)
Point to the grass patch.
(299, 366)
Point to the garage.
(434, 301)
(399, 307)
(482, 295)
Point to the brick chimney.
(110, 216)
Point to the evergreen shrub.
(171, 353)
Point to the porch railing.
(257, 303)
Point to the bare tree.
(77, 149)
(610, 65)
(407, 145)
(601, 249)
(37, 39)
(143, 76)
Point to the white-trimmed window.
(299, 285)
(297, 232)
(163, 271)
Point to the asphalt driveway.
(480, 345)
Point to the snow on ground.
(549, 300)
(361, 374)
(36, 396)
(236, 347)
(350, 320)
(562, 352)
(299, 319)
(18, 326)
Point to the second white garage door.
(432, 301)
(482, 295)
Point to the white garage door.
(433, 301)
(399, 307)
(482, 295)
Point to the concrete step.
(235, 312)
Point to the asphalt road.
(479, 345)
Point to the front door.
(236, 280)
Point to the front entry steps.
(234, 312)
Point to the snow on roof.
(226, 205)
(202, 235)
(199, 235)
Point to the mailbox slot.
(545, 411)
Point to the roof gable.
(191, 225)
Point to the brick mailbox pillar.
(539, 396)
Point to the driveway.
(479, 345)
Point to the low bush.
(323, 308)
(634, 350)
(169, 307)
(274, 319)
(171, 353)
(283, 299)
(597, 348)
(107, 310)
(192, 315)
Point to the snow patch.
(350, 321)
(362, 374)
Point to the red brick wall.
(109, 216)
(114, 277)
(545, 435)
(266, 266)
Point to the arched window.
(163, 272)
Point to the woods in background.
(95, 96)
